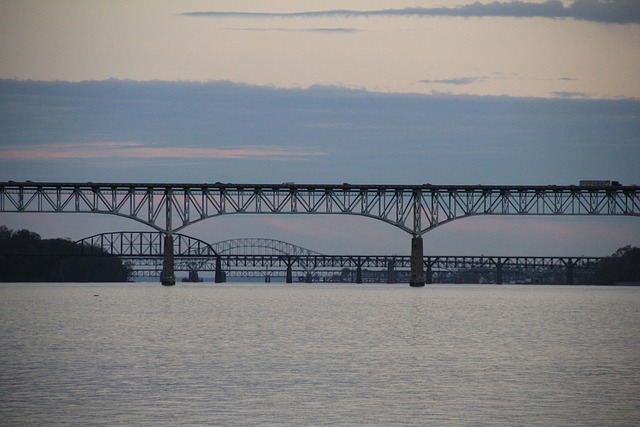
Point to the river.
(319, 354)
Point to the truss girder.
(377, 261)
(142, 244)
(259, 246)
(415, 209)
(381, 262)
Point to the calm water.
(256, 354)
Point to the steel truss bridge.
(267, 258)
(415, 209)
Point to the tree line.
(622, 267)
(26, 257)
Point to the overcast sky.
(447, 92)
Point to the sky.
(380, 92)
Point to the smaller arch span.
(260, 246)
(141, 243)
(151, 243)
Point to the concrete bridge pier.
(429, 273)
(499, 264)
(417, 266)
(219, 275)
(391, 271)
(288, 261)
(359, 262)
(168, 276)
(569, 263)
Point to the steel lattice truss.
(337, 262)
(141, 244)
(415, 209)
(259, 246)
(249, 257)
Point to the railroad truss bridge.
(267, 258)
(415, 209)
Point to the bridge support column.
(499, 275)
(168, 277)
(391, 271)
(219, 275)
(417, 255)
(499, 265)
(429, 273)
(289, 263)
(570, 263)
(358, 263)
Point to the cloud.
(456, 81)
(300, 30)
(569, 94)
(186, 131)
(131, 149)
(602, 11)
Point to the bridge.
(415, 209)
(144, 249)
(259, 257)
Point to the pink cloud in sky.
(133, 149)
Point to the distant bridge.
(260, 257)
(260, 246)
(415, 209)
(146, 249)
(130, 244)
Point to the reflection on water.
(254, 354)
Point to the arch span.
(260, 246)
(142, 243)
(151, 243)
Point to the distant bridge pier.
(569, 263)
(417, 271)
(219, 274)
(288, 261)
(168, 276)
(391, 271)
(429, 273)
(359, 262)
(499, 263)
